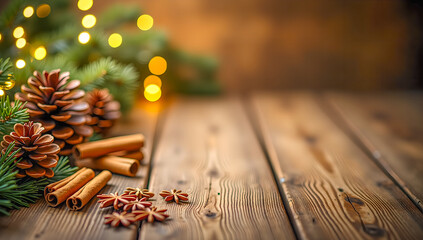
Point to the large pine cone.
(37, 151)
(104, 111)
(58, 105)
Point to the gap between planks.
(340, 118)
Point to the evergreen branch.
(118, 78)
(10, 114)
(62, 170)
(6, 73)
(8, 184)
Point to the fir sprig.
(8, 184)
(10, 114)
(62, 170)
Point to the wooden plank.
(389, 127)
(333, 189)
(43, 222)
(208, 149)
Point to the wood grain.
(389, 127)
(333, 189)
(43, 222)
(208, 149)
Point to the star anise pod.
(137, 205)
(141, 193)
(115, 219)
(151, 214)
(115, 199)
(175, 195)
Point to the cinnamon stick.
(58, 192)
(125, 166)
(78, 200)
(102, 147)
(138, 155)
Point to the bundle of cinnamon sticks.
(77, 189)
(121, 155)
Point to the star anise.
(141, 193)
(115, 219)
(151, 214)
(175, 195)
(115, 199)
(137, 205)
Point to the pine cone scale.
(24, 164)
(37, 156)
(62, 132)
(103, 110)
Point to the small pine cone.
(37, 151)
(58, 105)
(103, 109)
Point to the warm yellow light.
(152, 79)
(18, 32)
(84, 5)
(145, 22)
(20, 63)
(43, 10)
(28, 11)
(115, 40)
(20, 43)
(40, 53)
(84, 37)
(1, 92)
(10, 84)
(0, 36)
(88, 21)
(157, 65)
(152, 93)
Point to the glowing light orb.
(157, 65)
(152, 93)
(88, 21)
(152, 79)
(28, 12)
(18, 32)
(84, 37)
(43, 10)
(40, 53)
(145, 22)
(115, 40)
(20, 43)
(1, 92)
(20, 63)
(84, 5)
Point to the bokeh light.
(8, 85)
(157, 65)
(145, 22)
(152, 93)
(1, 36)
(18, 32)
(84, 37)
(43, 10)
(88, 21)
(1, 92)
(152, 79)
(28, 12)
(40, 53)
(20, 63)
(84, 5)
(115, 40)
(20, 43)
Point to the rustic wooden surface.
(270, 166)
(43, 222)
(334, 191)
(390, 126)
(209, 149)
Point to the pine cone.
(57, 104)
(37, 151)
(104, 111)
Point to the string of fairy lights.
(157, 65)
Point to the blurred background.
(209, 47)
(360, 45)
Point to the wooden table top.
(279, 165)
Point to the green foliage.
(10, 114)
(8, 184)
(5, 71)
(62, 170)
(121, 80)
